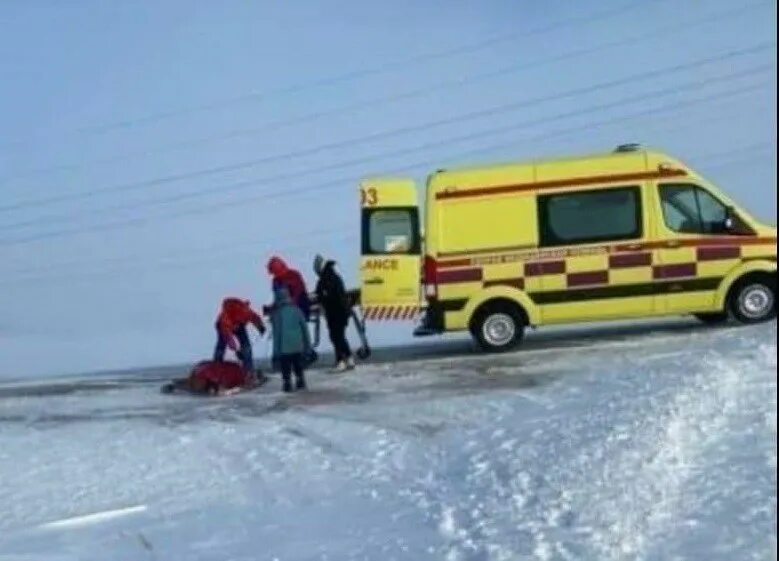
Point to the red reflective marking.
(588, 278)
(675, 271)
(627, 260)
(539, 268)
(458, 275)
(714, 253)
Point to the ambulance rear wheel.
(753, 299)
(498, 327)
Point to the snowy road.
(658, 446)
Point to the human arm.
(256, 320)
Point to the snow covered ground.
(659, 446)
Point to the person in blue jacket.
(291, 341)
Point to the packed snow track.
(656, 446)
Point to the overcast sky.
(154, 154)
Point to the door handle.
(673, 243)
(634, 246)
(375, 280)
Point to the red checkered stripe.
(391, 313)
(620, 257)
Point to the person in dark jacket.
(334, 301)
(291, 341)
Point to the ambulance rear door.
(390, 266)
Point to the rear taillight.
(429, 277)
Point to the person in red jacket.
(284, 276)
(231, 331)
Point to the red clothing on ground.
(225, 375)
(236, 313)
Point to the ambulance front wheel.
(498, 327)
(753, 299)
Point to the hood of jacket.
(277, 266)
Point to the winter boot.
(300, 383)
(350, 365)
(340, 367)
(287, 387)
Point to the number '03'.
(369, 197)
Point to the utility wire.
(447, 86)
(383, 135)
(400, 64)
(746, 151)
(267, 196)
(242, 185)
(197, 263)
(194, 262)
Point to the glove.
(263, 330)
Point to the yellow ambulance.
(628, 234)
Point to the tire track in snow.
(604, 483)
(641, 489)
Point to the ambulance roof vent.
(631, 147)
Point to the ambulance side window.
(583, 217)
(390, 231)
(688, 209)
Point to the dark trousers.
(289, 364)
(245, 348)
(337, 330)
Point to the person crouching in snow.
(334, 301)
(283, 275)
(291, 342)
(231, 326)
(214, 378)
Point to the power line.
(403, 96)
(264, 197)
(165, 264)
(175, 265)
(345, 164)
(399, 64)
(144, 257)
(214, 249)
(382, 135)
(280, 194)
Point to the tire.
(498, 327)
(753, 299)
(713, 318)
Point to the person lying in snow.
(215, 378)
